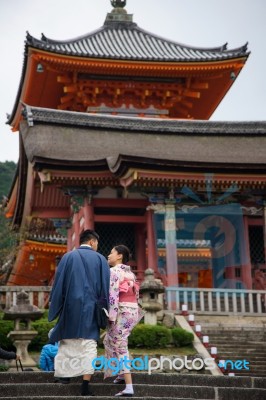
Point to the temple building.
(115, 135)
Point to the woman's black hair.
(124, 250)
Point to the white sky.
(202, 23)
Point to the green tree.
(8, 238)
(7, 171)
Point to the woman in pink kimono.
(124, 314)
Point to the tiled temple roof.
(71, 138)
(170, 126)
(120, 38)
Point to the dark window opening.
(112, 234)
(256, 243)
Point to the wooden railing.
(38, 295)
(217, 301)
(201, 301)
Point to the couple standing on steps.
(83, 276)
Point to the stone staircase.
(41, 386)
(238, 339)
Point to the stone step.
(235, 336)
(251, 351)
(251, 365)
(188, 379)
(231, 355)
(247, 373)
(223, 336)
(71, 391)
(256, 349)
(250, 345)
(41, 386)
(95, 397)
(239, 344)
(99, 389)
(239, 349)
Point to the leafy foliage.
(7, 171)
(5, 328)
(8, 238)
(142, 336)
(42, 326)
(150, 336)
(154, 336)
(181, 337)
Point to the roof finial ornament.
(119, 14)
(118, 3)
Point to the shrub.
(3, 368)
(42, 326)
(181, 337)
(5, 328)
(150, 336)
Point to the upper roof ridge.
(119, 17)
(122, 38)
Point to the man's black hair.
(87, 235)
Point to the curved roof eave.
(165, 49)
(11, 116)
(38, 115)
(130, 42)
(124, 162)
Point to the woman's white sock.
(129, 388)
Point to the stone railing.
(217, 301)
(201, 301)
(38, 295)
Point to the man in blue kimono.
(82, 277)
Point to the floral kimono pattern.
(123, 316)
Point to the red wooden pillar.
(88, 212)
(69, 239)
(264, 229)
(170, 239)
(76, 233)
(246, 263)
(151, 245)
(140, 250)
(230, 273)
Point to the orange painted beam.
(53, 213)
(120, 203)
(120, 218)
(217, 177)
(80, 63)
